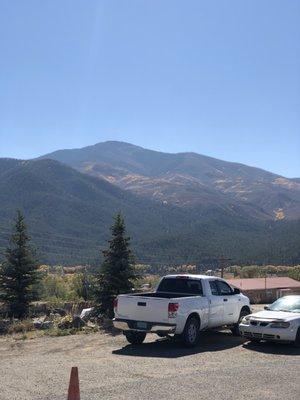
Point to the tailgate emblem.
(143, 304)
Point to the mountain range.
(188, 179)
(179, 208)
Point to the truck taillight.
(172, 310)
(115, 303)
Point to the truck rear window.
(181, 286)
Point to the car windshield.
(180, 286)
(289, 304)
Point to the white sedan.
(279, 321)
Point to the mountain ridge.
(130, 145)
(187, 179)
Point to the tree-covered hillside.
(69, 214)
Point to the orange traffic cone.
(73, 392)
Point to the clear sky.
(221, 78)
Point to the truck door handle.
(225, 299)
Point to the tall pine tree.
(117, 272)
(19, 272)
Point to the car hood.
(272, 315)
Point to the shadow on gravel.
(171, 348)
(286, 349)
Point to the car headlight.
(246, 320)
(281, 324)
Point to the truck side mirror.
(236, 291)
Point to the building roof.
(263, 283)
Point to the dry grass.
(23, 326)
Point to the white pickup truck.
(182, 305)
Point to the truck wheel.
(135, 337)
(297, 340)
(191, 333)
(235, 329)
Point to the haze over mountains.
(179, 208)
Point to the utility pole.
(265, 283)
(85, 284)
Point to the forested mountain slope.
(69, 214)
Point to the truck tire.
(235, 329)
(191, 333)
(297, 339)
(135, 337)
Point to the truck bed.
(150, 307)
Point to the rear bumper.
(131, 325)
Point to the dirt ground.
(221, 367)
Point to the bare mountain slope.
(188, 179)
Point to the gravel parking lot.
(222, 367)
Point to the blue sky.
(221, 78)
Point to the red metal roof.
(262, 283)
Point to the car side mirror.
(266, 308)
(236, 291)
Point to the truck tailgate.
(140, 308)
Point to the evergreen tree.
(19, 272)
(117, 272)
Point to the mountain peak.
(186, 179)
